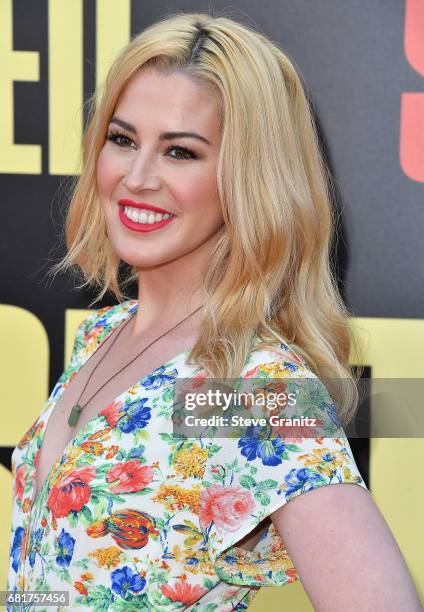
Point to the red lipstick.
(126, 202)
(142, 227)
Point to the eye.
(121, 140)
(190, 154)
(116, 138)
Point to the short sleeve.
(248, 478)
(80, 334)
(85, 335)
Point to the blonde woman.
(201, 171)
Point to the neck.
(165, 311)
(169, 292)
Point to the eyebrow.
(163, 135)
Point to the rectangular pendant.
(74, 416)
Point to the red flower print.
(226, 507)
(80, 588)
(112, 451)
(92, 448)
(20, 480)
(32, 432)
(129, 528)
(183, 592)
(112, 413)
(130, 476)
(71, 493)
(102, 433)
(26, 504)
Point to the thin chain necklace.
(78, 408)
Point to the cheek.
(199, 195)
(107, 174)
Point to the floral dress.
(132, 517)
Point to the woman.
(202, 172)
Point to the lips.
(142, 227)
(144, 206)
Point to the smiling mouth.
(145, 217)
(143, 221)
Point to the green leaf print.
(85, 516)
(248, 482)
(267, 484)
(73, 518)
(208, 584)
(262, 497)
(210, 607)
(98, 507)
(142, 492)
(293, 447)
(131, 604)
(166, 437)
(99, 598)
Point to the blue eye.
(119, 139)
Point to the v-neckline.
(128, 312)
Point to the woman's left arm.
(344, 552)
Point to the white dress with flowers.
(132, 517)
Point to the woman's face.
(143, 163)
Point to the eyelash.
(114, 137)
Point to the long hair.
(269, 275)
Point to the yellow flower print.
(176, 498)
(194, 561)
(107, 557)
(323, 460)
(276, 369)
(60, 470)
(191, 462)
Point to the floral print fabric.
(132, 517)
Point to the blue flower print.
(134, 416)
(34, 546)
(292, 367)
(157, 379)
(16, 547)
(302, 479)
(270, 451)
(102, 321)
(332, 413)
(137, 452)
(65, 548)
(125, 580)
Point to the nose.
(141, 173)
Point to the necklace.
(78, 408)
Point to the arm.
(344, 552)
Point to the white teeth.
(143, 216)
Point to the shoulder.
(281, 368)
(107, 316)
(98, 324)
(275, 360)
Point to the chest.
(106, 376)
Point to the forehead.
(151, 96)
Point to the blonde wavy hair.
(269, 275)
